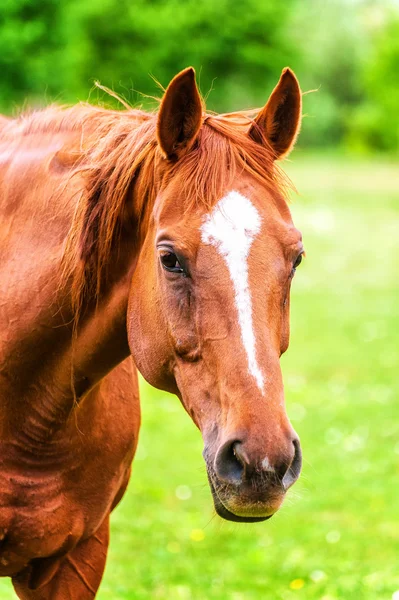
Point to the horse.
(160, 242)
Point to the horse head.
(208, 313)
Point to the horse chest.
(35, 519)
(55, 494)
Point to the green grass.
(337, 536)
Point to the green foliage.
(331, 41)
(126, 41)
(376, 122)
(348, 51)
(60, 48)
(30, 45)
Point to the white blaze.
(231, 228)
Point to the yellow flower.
(297, 584)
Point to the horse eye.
(170, 262)
(298, 261)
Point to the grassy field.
(337, 536)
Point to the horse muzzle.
(248, 488)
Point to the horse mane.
(120, 165)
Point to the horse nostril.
(230, 462)
(294, 469)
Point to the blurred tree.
(330, 37)
(347, 49)
(236, 48)
(30, 47)
(375, 120)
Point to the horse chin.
(226, 514)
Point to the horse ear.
(280, 120)
(180, 115)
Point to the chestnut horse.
(162, 236)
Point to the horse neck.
(47, 367)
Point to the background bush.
(346, 49)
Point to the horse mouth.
(226, 514)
